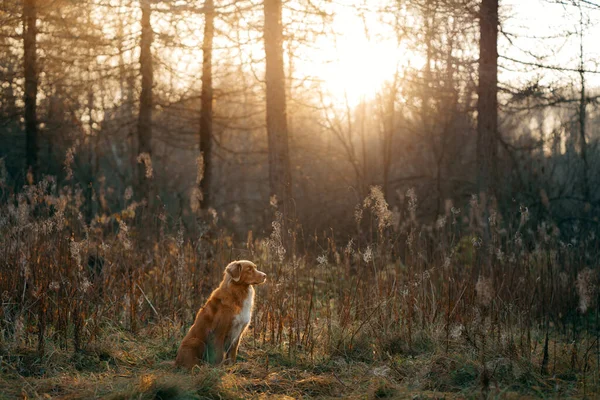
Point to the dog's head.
(244, 272)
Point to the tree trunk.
(31, 84)
(206, 100)
(582, 137)
(145, 114)
(487, 104)
(582, 112)
(389, 116)
(280, 179)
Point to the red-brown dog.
(220, 324)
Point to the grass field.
(470, 305)
(126, 366)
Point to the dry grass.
(127, 366)
(472, 304)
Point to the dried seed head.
(322, 259)
(144, 158)
(128, 193)
(275, 241)
(358, 214)
(485, 291)
(123, 235)
(412, 203)
(376, 201)
(368, 254)
(349, 247)
(69, 159)
(441, 222)
(586, 285)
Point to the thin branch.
(551, 67)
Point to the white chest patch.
(241, 320)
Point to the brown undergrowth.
(470, 304)
(127, 366)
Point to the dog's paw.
(228, 362)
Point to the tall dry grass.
(511, 295)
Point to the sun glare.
(356, 56)
(358, 59)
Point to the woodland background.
(434, 232)
(98, 81)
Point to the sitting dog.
(221, 323)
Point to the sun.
(360, 64)
(359, 57)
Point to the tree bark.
(31, 84)
(582, 112)
(206, 104)
(280, 179)
(388, 137)
(389, 129)
(582, 136)
(145, 113)
(487, 104)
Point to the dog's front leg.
(232, 353)
(219, 350)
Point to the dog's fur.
(221, 323)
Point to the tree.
(582, 110)
(280, 179)
(31, 83)
(206, 103)
(145, 113)
(388, 111)
(487, 103)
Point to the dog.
(221, 323)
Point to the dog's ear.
(235, 271)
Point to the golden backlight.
(361, 54)
(352, 58)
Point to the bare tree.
(487, 104)
(31, 83)
(582, 110)
(145, 113)
(387, 105)
(280, 179)
(206, 100)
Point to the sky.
(539, 28)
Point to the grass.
(466, 306)
(128, 366)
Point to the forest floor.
(127, 366)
